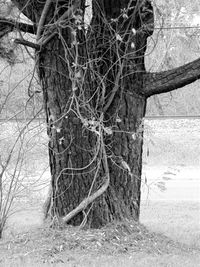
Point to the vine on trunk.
(96, 73)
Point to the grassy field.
(170, 230)
(177, 220)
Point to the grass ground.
(179, 221)
(169, 236)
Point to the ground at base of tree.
(118, 244)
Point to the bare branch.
(27, 43)
(166, 81)
(42, 18)
(8, 25)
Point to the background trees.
(95, 89)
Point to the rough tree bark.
(79, 146)
(123, 114)
(95, 90)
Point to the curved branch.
(166, 81)
(8, 25)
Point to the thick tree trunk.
(72, 149)
(126, 146)
(95, 89)
(91, 101)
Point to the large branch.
(166, 81)
(8, 25)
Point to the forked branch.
(8, 25)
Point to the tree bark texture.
(74, 150)
(95, 88)
(167, 81)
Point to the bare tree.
(16, 138)
(95, 89)
(13, 179)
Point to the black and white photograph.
(99, 133)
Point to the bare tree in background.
(14, 150)
(17, 114)
(95, 90)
